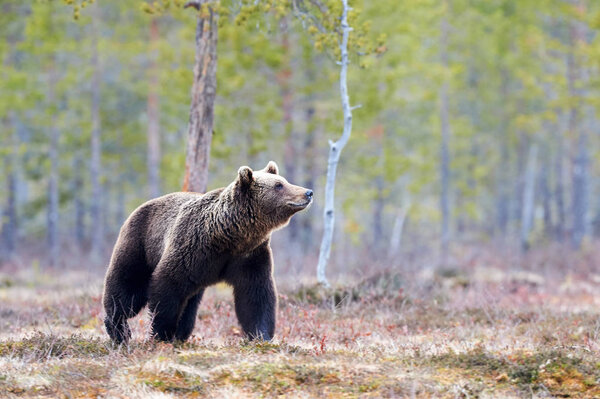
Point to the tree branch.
(194, 4)
(304, 15)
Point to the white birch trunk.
(335, 149)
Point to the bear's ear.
(272, 168)
(245, 175)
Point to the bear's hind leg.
(185, 326)
(117, 328)
(122, 302)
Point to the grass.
(447, 334)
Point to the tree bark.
(200, 127)
(335, 149)
(97, 236)
(444, 149)
(152, 110)
(53, 193)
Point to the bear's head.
(270, 196)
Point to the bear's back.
(150, 223)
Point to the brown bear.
(171, 248)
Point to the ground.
(474, 332)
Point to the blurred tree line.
(478, 118)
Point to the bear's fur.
(171, 248)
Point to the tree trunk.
(528, 198)
(519, 180)
(200, 127)
(378, 215)
(397, 230)
(444, 149)
(309, 175)
(152, 111)
(580, 190)
(77, 191)
(120, 200)
(580, 174)
(503, 200)
(53, 190)
(97, 236)
(546, 192)
(559, 189)
(9, 126)
(9, 222)
(335, 149)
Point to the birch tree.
(335, 150)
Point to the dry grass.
(477, 331)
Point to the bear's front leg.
(166, 303)
(255, 294)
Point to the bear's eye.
(278, 186)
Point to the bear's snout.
(300, 197)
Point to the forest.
(467, 199)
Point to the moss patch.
(560, 373)
(173, 381)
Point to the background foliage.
(522, 79)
